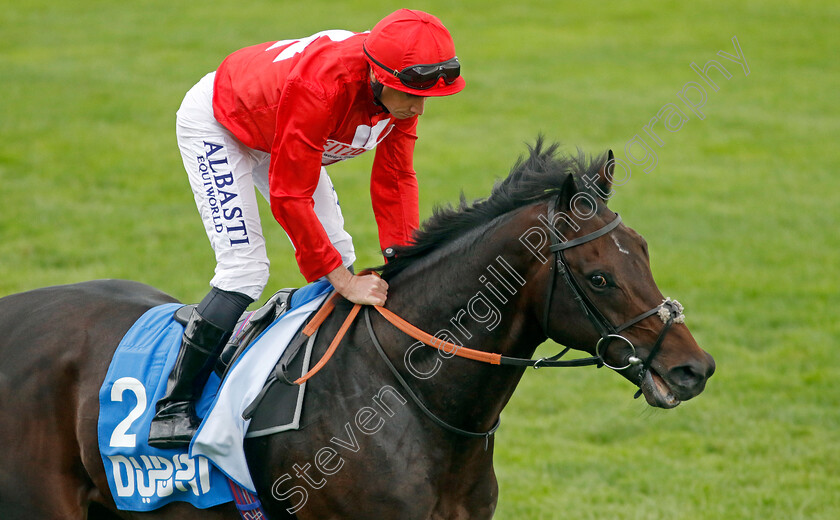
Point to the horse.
(390, 427)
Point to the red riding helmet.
(411, 51)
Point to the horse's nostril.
(691, 375)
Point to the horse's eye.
(598, 280)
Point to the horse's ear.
(568, 190)
(605, 176)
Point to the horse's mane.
(532, 178)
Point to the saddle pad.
(221, 434)
(142, 478)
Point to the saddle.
(248, 328)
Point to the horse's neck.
(476, 297)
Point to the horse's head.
(597, 294)
(585, 277)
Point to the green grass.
(741, 212)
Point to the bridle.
(669, 311)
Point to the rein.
(669, 311)
(437, 420)
(426, 338)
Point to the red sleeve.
(393, 186)
(303, 125)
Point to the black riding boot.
(175, 421)
(204, 338)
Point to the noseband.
(669, 311)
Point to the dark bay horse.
(542, 257)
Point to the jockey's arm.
(293, 175)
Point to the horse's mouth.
(656, 391)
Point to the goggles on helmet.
(423, 77)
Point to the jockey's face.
(401, 104)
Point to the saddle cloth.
(142, 478)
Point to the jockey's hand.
(366, 289)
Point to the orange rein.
(398, 322)
(428, 339)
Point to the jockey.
(272, 117)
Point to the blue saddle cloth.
(143, 478)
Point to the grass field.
(741, 211)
